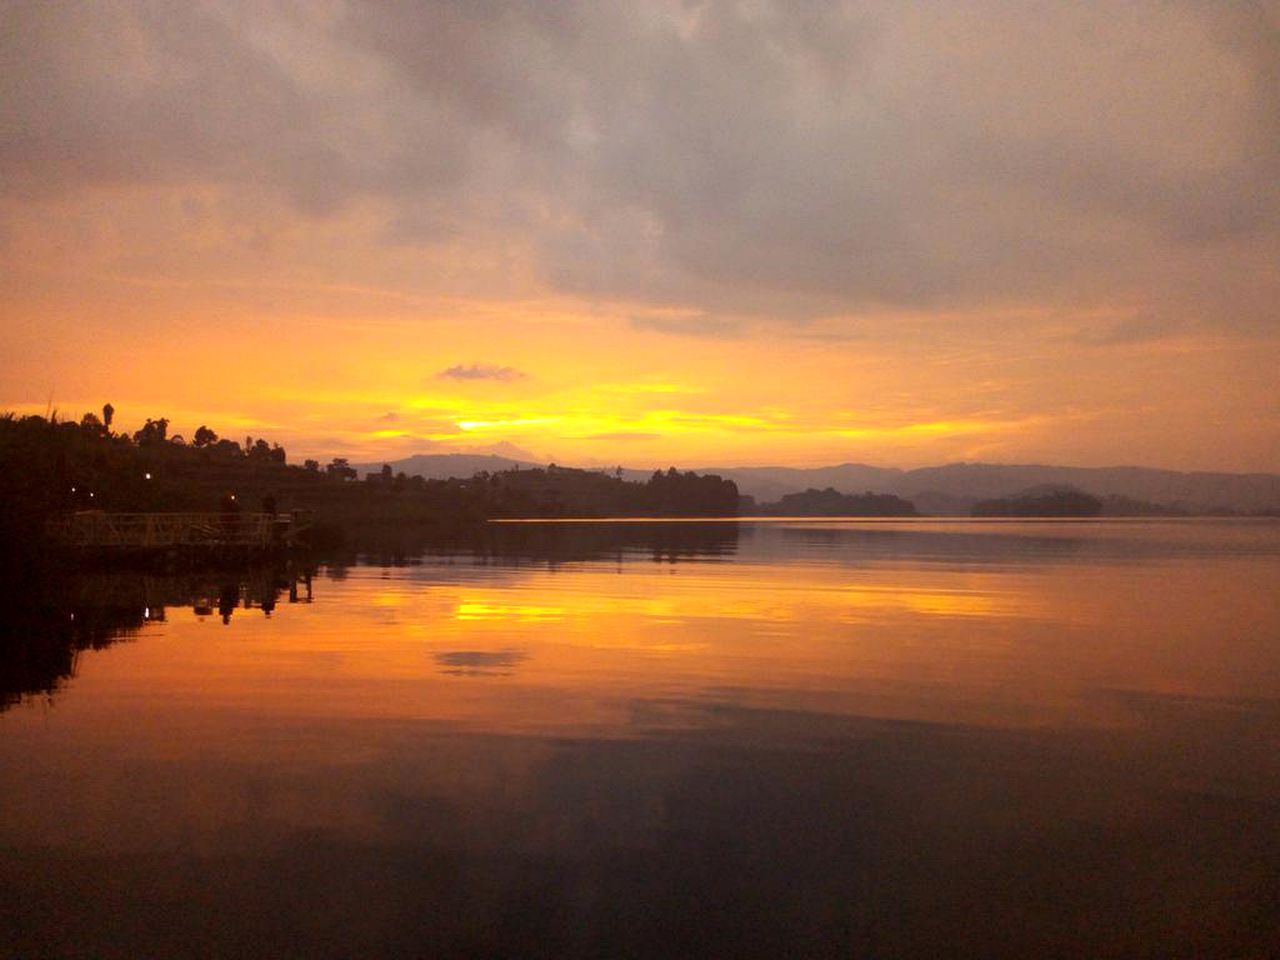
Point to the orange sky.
(701, 234)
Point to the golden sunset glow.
(639, 478)
(574, 650)
(947, 234)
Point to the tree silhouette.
(1041, 502)
(341, 469)
(153, 431)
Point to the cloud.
(784, 159)
(771, 160)
(691, 326)
(620, 435)
(1134, 330)
(482, 371)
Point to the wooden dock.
(95, 530)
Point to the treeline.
(50, 467)
(1071, 502)
(832, 503)
(568, 492)
(1064, 502)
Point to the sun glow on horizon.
(353, 257)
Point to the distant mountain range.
(946, 490)
(954, 488)
(442, 466)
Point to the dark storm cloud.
(785, 159)
(481, 371)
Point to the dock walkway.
(98, 530)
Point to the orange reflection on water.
(580, 647)
(471, 611)
(384, 723)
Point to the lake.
(733, 739)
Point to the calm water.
(878, 739)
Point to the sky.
(723, 233)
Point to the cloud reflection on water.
(968, 741)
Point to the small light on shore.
(146, 476)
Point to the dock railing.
(98, 529)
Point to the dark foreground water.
(787, 739)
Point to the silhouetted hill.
(568, 492)
(51, 469)
(949, 490)
(1201, 490)
(444, 466)
(832, 503)
(768, 484)
(955, 488)
(1042, 501)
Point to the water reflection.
(801, 740)
(40, 641)
(516, 544)
(46, 625)
(1015, 543)
(843, 541)
(260, 589)
(480, 663)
